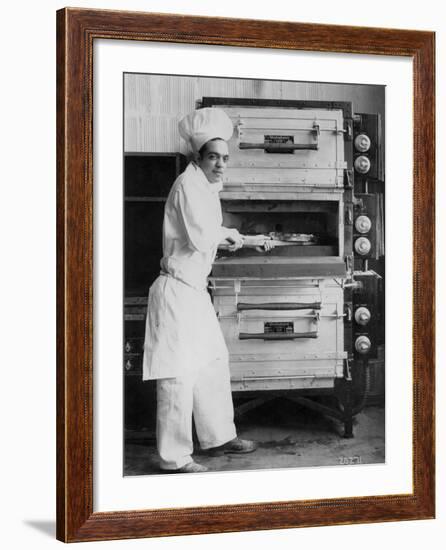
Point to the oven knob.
(128, 365)
(363, 224)
(362, 143)
(362, 246)
(362, 315)
(362, 164)
(128, 347)
(362, 344)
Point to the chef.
(184, 349)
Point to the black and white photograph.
(254, 274)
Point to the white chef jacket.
(192, 227)
(182, 330)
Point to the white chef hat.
(203, 125)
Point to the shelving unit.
(148, 178)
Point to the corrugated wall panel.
(155, 103)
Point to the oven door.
(283, 150)
(281, 334)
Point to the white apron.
(182, 330)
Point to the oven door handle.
(278, 306)
(280, 146)
(277, 335)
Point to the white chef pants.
(205, 394)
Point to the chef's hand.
(267, 246)
(235, 240)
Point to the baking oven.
(306, 319)
(301, 316)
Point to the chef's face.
(213, 158)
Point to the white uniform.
(184, 347)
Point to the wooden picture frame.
(77, 29)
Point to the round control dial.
(362, 246)
(362, 143)
(362, 344)
(362, 164)
(363, 224)
(362, 315)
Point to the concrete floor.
(288, 435)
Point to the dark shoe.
(235, 446)
(189, 468)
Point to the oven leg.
(348, 409)
(347, 400)
(344, 397)
(240, 410)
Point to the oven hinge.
(349, 265)
(348, 218)
(348, 179)
(348, 127)
(348, 312)
(347, 370)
